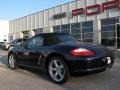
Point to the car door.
(32, 51)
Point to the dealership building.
(93, 21)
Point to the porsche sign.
(97, 9)
(91, 10)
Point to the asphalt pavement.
(23, 79)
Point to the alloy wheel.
(11, 61)
(57, 70)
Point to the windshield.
(66, 38)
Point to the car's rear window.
(66, 38)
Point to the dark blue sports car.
(60, 56)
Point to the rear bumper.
(94, 69)
(79, 66)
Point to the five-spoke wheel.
(12, 61)
(58, 70)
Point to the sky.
(13, 9)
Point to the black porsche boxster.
(60, 55)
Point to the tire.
(57, 70)
(12, 61)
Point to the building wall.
(43, 19)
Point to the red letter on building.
(111, 5)
(77, 12)
(89, 9)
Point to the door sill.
(34, 67)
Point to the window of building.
(87, 24)
(76, 30)
(87, 31)
(108, 31)
(108, 27)
(67, 26)
(109, 21)
(65, 29)
(56, 29)
(75, 25)
(81, 31)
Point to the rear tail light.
(81, 52)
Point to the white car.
(6, 45)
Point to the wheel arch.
(12, 52)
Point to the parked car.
(5, 45)
(1, 44)
(60, 56)
(15, 42)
